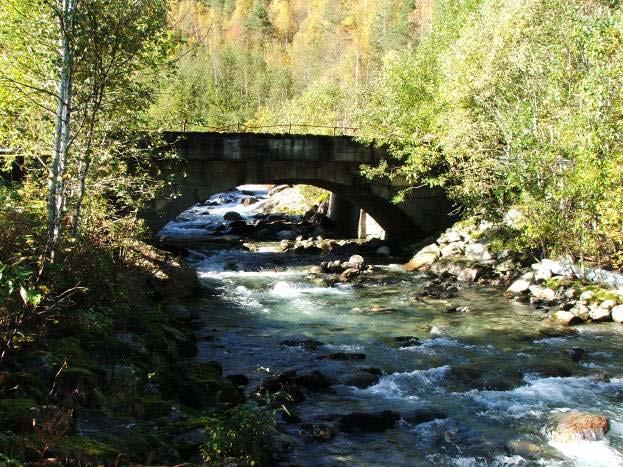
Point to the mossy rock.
(184, 340)
(155, 407)
(601, 293)
(25, 385)
(15, 413)
(200, 386)
(84, 450)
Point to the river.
(477, 388)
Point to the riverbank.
(118, 383)
(560, 289)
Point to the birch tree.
(62, 136)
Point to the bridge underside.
(196, 179)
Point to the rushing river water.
(494, 378)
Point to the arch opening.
(303, 206)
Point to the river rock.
(376, 422)
(599, 314)
(319, 432)
(449, 266)
(478, 251)
(587, 296)
(232, 216)
(277, 189)
(314, 381)
(608, 304)
(579, 426)
(407, 341)
(542, 293)
(576, 353)
(566, 318)
(452, 249)
(424, 258)
(355, 262)
(520, 286)
(617, 314)
(248, 246)
(449, 236)
(249, 201)
(581, 311)
(423, 415)
(469, 274)
(350, 274)
(542, 271)
(363, 379)
(526, 449)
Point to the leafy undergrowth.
(96, 361)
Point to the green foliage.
(513, 104)
(314, 195)
(86, 448)
(271, 63)
(220, 88)
(243, 433)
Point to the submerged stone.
(376, 422)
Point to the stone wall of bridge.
(209, 163)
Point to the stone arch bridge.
(213, 162)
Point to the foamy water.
(265, 297)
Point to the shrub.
(243, 433)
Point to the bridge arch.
(214, 162)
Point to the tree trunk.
(56, 182)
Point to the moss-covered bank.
(115, 382)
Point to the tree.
(101, 46)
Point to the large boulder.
(566, 318)
(478, 251)
(579, 426)
(599, 314)
(542, 293)
(522, 285)
(364, 378)
(232, 216)
(452, 249)
(424, 258)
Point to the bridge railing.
(285, 128)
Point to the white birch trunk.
(56, 182)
